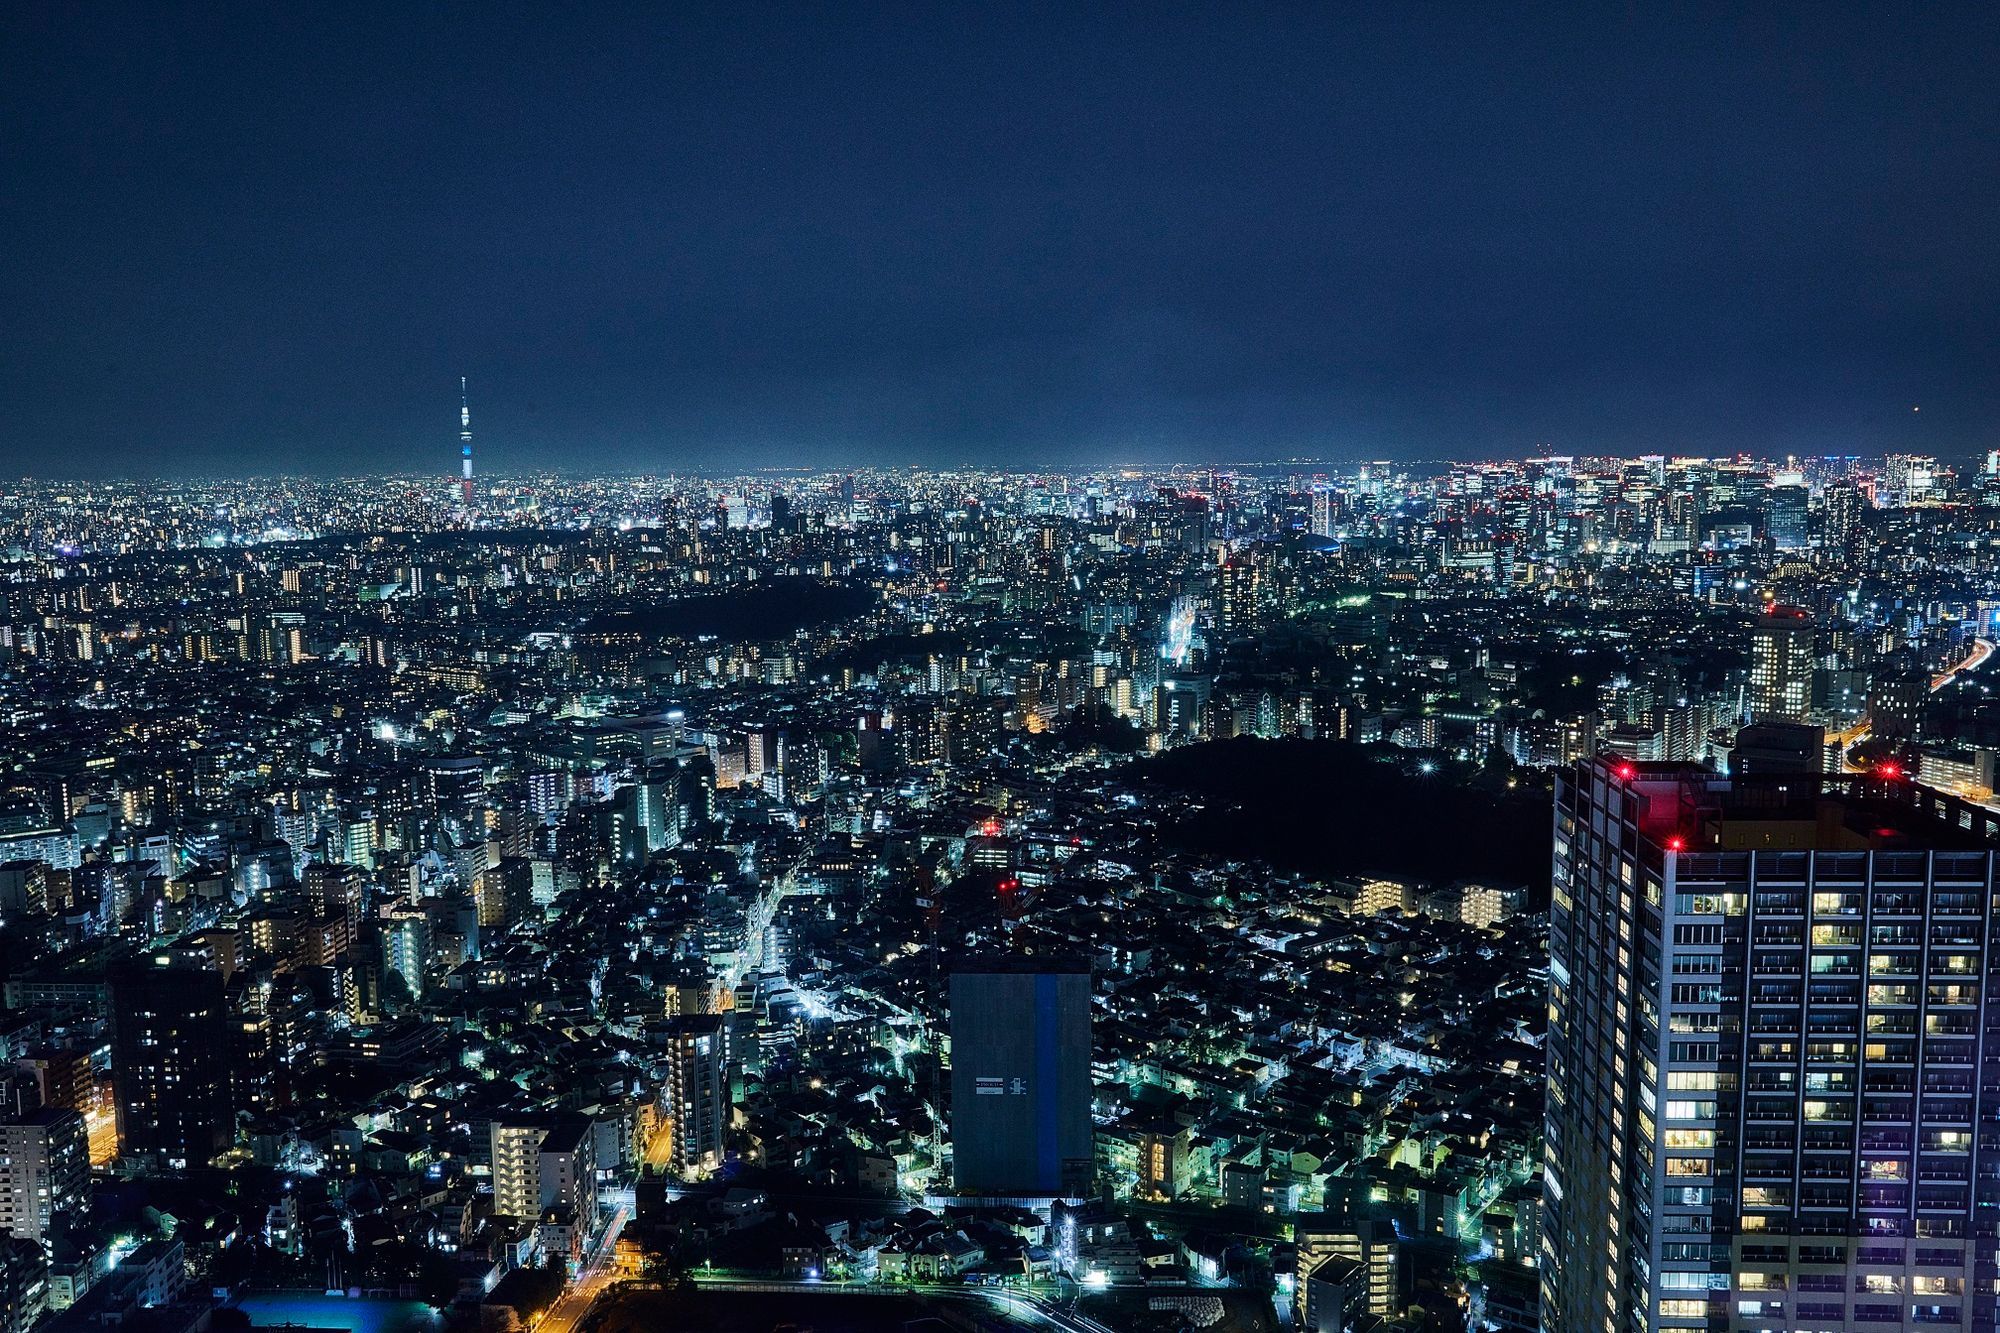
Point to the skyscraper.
(1844, 505)
(1781, 665)
(1020, 1082)
(171, 1061)
(697, 1092)
(1787, 514)
(1769, 1102)
(44, 1173)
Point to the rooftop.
(1686, 808)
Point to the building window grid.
(1924, 1034)
(1916, 1148)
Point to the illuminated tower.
(697, 1092)
(1781, 665)
(464, 447)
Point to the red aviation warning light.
(1626, 772)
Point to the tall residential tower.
(697, 1093)
(1771, 1103)
(1781, 665)
(172, 1062)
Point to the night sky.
(271, 238)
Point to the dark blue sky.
(271, 238)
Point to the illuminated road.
(103, 1130)
(575, 1302)
(597, 1275)
(1854, 735)
(1981, 650)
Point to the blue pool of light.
(311, 1309)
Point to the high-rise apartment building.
(1331, 1296)
(44, 1173)
(656, 805)
(1781, 665)
(544, 1166)
(406, 944)
(1771, 1103)
(24, 1284)
(514, 1152)
(61, 1075)
(1845, 505)
(171, 1061)
(697, 1092)
(1020, 1083)
(566, 1168)
(1369, 1242)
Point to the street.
(598, 1273)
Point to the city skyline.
(608, 898)
(450, 477)
(1111, 669)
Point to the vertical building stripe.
(1046, 1093)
